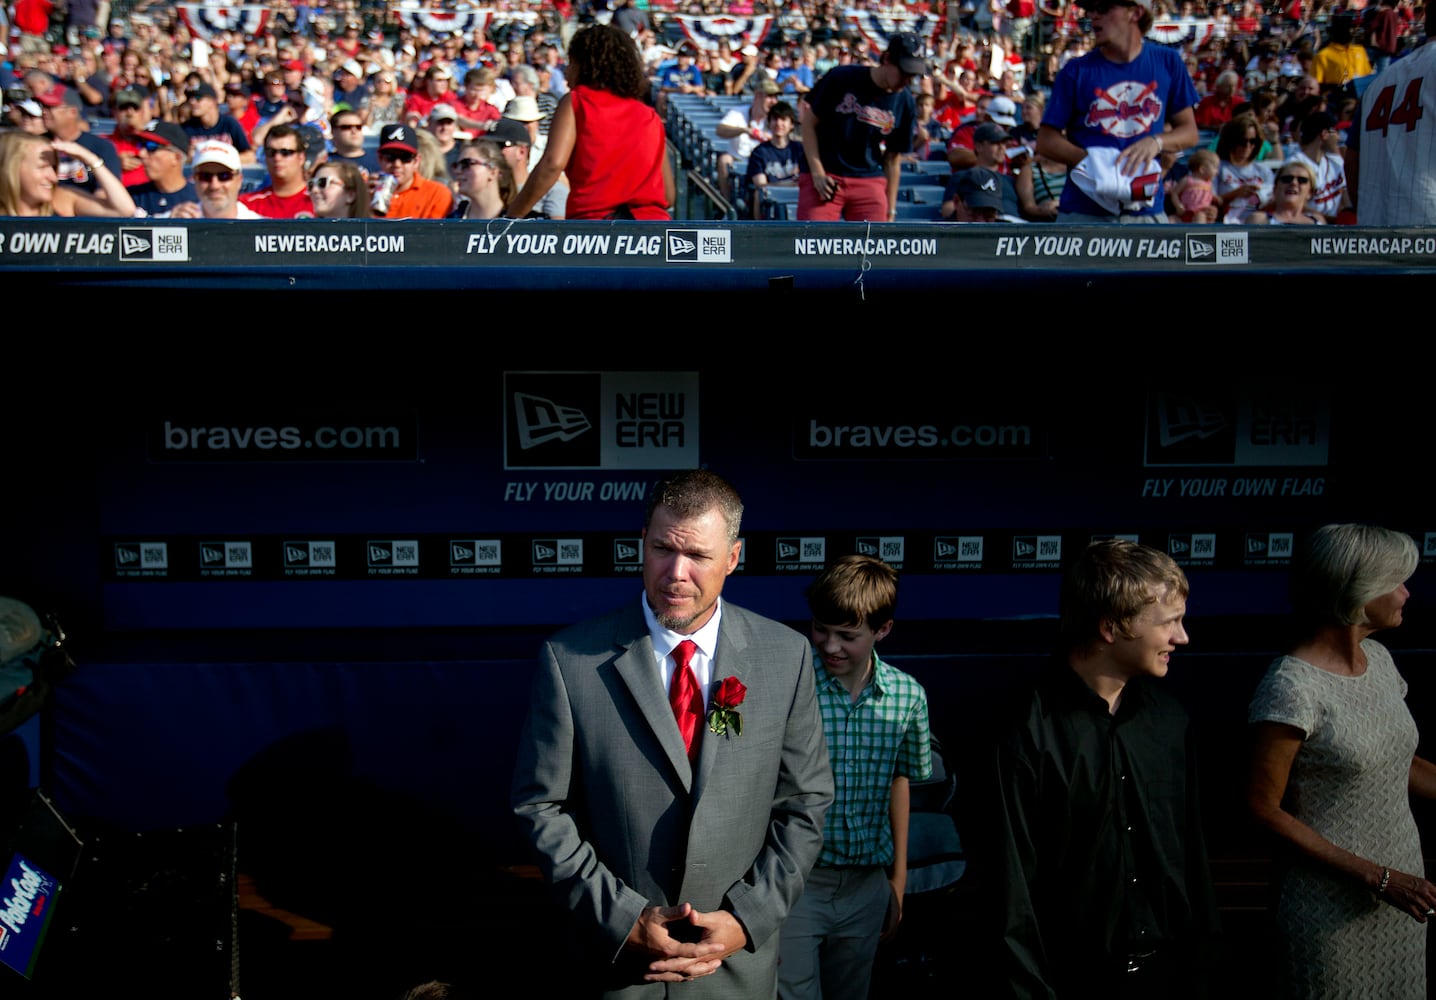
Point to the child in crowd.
(1194, 192)
(876, 727)
(776, 160)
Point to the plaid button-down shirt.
(870, 741)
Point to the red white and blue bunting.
(207, 21)
(707, 32)
(876, 27)
(1199, 31)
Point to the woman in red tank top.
(604, 136)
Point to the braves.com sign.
(600, 420)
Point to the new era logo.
(142, 555)
(701, 246)
(474, 552)
(541, 420)
(1217, 248)
(311, 555)
(557, 551)
(133, 244)
(155, 243)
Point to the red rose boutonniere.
(724, 711)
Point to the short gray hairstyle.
(524, 73)
(693, 493)
(1341, 568)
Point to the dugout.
(307, 498)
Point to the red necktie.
(684, 697)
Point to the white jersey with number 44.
(1398, 144)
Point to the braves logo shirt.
(1098, 103)
(858, 121)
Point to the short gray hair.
(524, 73)
(693, 493)
(1341, 568)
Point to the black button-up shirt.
(1099, 850)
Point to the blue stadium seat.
(780, 203)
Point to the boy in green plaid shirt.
(875, 723)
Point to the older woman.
(603, 135)
(1290, 194)
(1243, 183)
(1333, 765)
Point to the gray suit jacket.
(604, 791)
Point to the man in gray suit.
(678, 862)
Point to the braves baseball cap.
(399, 137)
(908, 53)
(1003, 110)
(979, 187)
(989, 132)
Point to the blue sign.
(27, 902)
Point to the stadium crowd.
(236, 120)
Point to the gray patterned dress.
(1349, 784)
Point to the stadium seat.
(780, 203)
(921, 194)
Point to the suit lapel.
(728, 661)
(637, 667)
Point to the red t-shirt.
(248, 120)
(126, 147)
(420, 101)
(272, 206)
(481, 112)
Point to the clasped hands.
(674, 960)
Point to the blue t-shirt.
(857, 120)
(152, 201)
(226, 129)
(673, 77)
(780, 166)
(367, 161)
(802, 74)
(1096, 102)
(74, 172)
